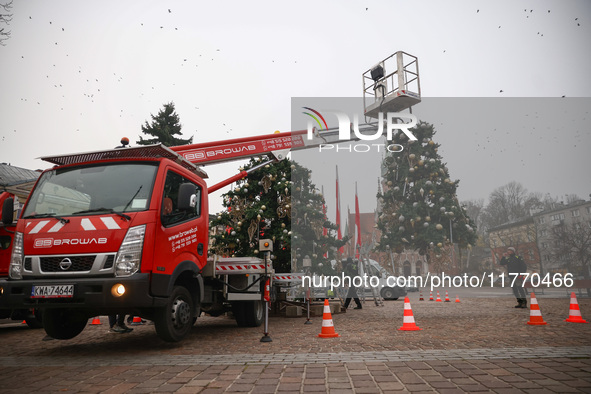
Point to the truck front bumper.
(89, 293)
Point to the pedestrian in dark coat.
(516, 266)
(351, 268)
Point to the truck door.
(182, 233)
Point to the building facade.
(550, 241)
(522, 235)
(561, 234)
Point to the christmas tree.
(313, 235)
(420, 209)
(277, 202)
(164, 126)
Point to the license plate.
(53, 291)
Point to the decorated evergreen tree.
(164, 126)
(263, 206)
(420, 209)
(309, 225)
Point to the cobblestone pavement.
(478, 345)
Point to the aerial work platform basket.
(395, 91)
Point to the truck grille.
(109, 262)
(79, 263)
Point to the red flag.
(357, 225)
(324, 229)
(338, 221)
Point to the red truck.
(7, 230)
(126, 231)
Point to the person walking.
(515, 267)
(117, 324)
(352, 270)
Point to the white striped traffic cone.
(327, 330)
(447, 297)
(574, 313)
(535, 316)
(408, 320)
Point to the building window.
(546, 257)
(541, 220)
(575, 213)
(544, 232)
(589, 210)
(544, 245)
(558, 216)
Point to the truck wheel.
(62, 324)
(35, 319)
(248, 313)
(388, 293)
(175, 321)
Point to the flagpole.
(324, 229)
(357, 226)
(338, 205)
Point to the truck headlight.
(17, 257)
(129, 256)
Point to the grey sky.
(542, 143)
(77, 76)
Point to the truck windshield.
(98, 189)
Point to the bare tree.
(571, 244)
(570, 198)
(475, 208)
(510, 203)
(5, 19)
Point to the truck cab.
(123, 234)
(7, 227)
(7, 230)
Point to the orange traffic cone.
(431, 296)
(408, 320)
(447, 297)
(457, 298)
(574, 313)
(137, 321)
(421, 296)
(96, 321)
(327, 325)
(535, 316)
(438, 297)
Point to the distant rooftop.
(16, 180)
